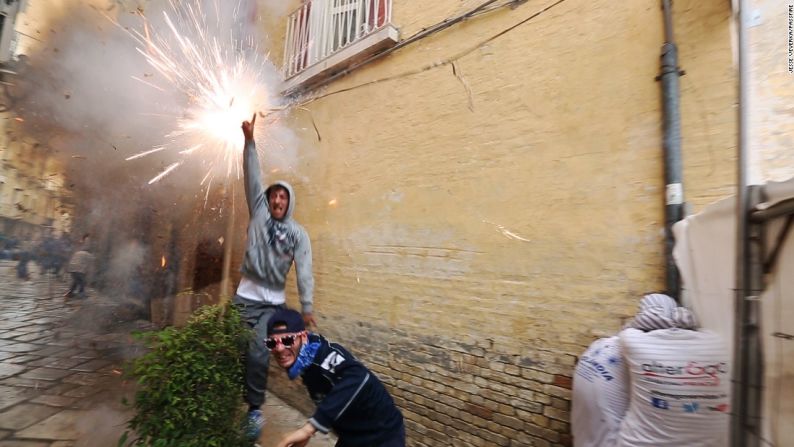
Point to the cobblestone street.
(61, 381)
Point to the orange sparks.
(162, 262)
(332, 202)
(20, 119)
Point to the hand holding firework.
(248, 128)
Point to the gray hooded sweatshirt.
(274, 244)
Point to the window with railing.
(321, 29)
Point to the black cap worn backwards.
(285, 317)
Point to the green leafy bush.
(190, 384)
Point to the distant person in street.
(63, 248)
(47, 252)
(79, 267)
(26, 250)
(275, 241)
(350, 399)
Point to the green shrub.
(190, 384)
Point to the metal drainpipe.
(674, 190)
(747, 355)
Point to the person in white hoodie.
(679, 379)
(600, 394)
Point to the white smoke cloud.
(124, 263)
(82, 96)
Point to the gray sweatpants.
(255, 315)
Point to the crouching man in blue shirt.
(350, 399)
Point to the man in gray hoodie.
(275, 241)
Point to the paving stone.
(41, 361)
(54, 401)
(63, 444)
(101, 398)
(91, 366)
(24, 415)
(32, 337)
(20, 347)
(29, 383)
(14, 443)
(10, 335)
(56, 362)
(62, 388)
(10, 369)
(4, 433)
(36, 329)
(61, 426)
(282, 420)
(42, 320)
(10, 396)
(50, 350)
(83, 378)
(114, 369)
(100, 427)
(28, 329)
(82, 391)
(87, 354)
(24, 358)
(10, 324)
(7, 355)
(61, 342)
(46, 374)
(65, 352)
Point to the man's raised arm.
(252, 173)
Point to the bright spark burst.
(165, 172)
(145, 153)
(221, 74)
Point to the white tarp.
(705, 253)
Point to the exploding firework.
(198, 50)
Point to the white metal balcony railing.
(320, 28)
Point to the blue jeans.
(255, 315)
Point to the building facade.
(34, 197)
(487, 200)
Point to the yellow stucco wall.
(486, 224)
(533, 209)
(771, 93)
